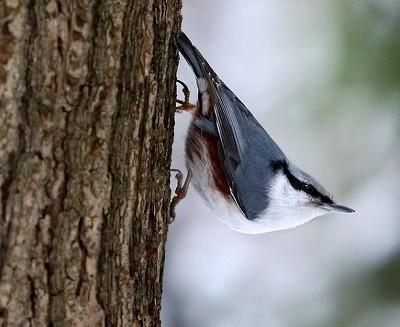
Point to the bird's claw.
(180, 191)
(185, 104)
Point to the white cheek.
(283, 195)
(287, 207)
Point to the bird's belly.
(209, 180)
(202, 159)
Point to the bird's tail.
(194, 58)
(191, 54)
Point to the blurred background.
(323, 78)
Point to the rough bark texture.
(87, 98)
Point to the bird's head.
(295, 194)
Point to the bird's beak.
(333, 207)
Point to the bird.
(235, 165)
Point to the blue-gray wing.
(246, 150)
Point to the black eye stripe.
(298, 184)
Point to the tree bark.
(87, 100)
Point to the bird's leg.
(180, 190)
(185, 104)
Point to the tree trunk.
(87, 100)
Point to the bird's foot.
(185, 104)
(180, 191)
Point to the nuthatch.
(237, 167)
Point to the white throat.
(287, 207)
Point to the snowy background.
(323, 78)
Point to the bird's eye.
(307, 186)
